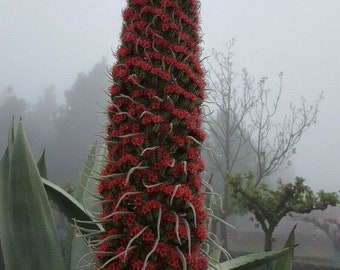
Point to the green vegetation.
(269, 206)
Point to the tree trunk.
(268, 241)
(268, 245)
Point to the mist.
(49, 43)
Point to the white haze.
(48, 42)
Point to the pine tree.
(152, 195)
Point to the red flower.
(119, 71)
(114, 266)
(131, 220)
(122, 52)
(138, 201)
(169, 217)
(150, 205)
(132, 231)
(103, 248)
(139, 2)
(128, 158)
(148, 236)
(182, 231)
(151, 118)
(151, 266)
(139, 139)
(137, 264)
(115, 89)
(129, 14)
(162, 250)
(201, 233)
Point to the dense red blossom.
(150, 205)
(148, 236)
(137, 264)
(151, 184)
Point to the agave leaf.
(11, 136)
(86, 188)
(291, 238)
(84, 175)
(252, 261)
(75, 247)
(30, 224)
(283, 258)
(91, 203)
(42, 165)
(68, 205)
(286, 261)
(215, 255)
(6, 243)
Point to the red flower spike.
(151, 186)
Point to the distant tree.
(225, 126)
(63, 130)
(78, 120)
(40, 120)
(10, 106)
(244, 133)
(232, 104)
(330, 226)
(269, 205)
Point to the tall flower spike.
(154, 139)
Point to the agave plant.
(27, 226)
(22, 233)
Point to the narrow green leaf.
(11, 135)
(86, 187)
(6, 243)
(92, 204)
(215, 255)
(84, 175)
(286, 261)
(291, 238)
(73, 209)
(73, 244)
(252, 261)
(31, 224)
(68, 205)
(283, 258)
(42, 165)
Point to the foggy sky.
(48, 42)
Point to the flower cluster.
(152, 200)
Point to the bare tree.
(243, 131)
(330, 226)
(225, 127)
(274, 142)
(232, 104)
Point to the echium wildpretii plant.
(152, 215)
(152, 197)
